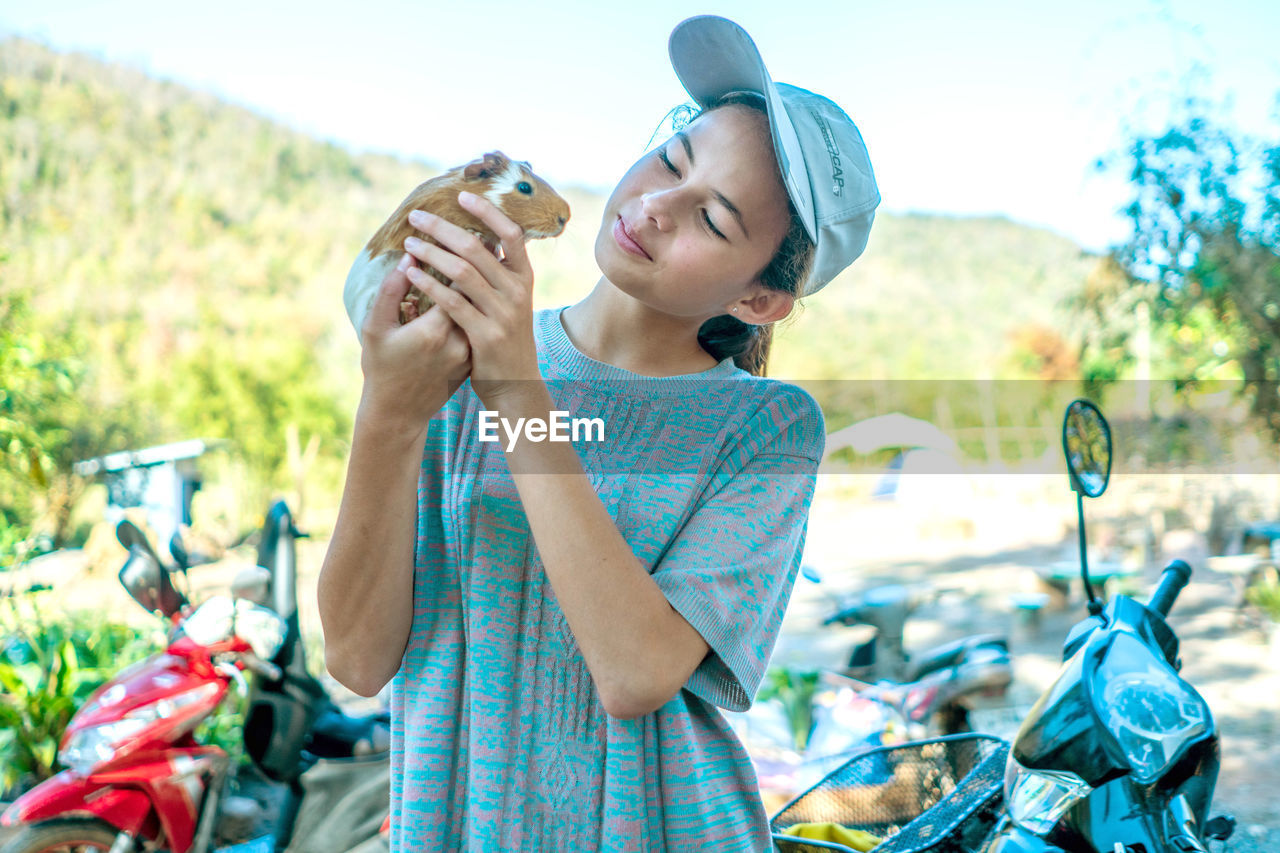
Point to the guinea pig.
(509, 184)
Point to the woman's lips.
(624, 240)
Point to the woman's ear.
(762, 306)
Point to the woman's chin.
(613, 265)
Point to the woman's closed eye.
(666, 161)
(706, 217)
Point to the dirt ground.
(978, 541)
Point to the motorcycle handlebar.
(1175, 577)
(892, 598)
(847, 616)
(264, 668)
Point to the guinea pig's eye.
(525, 187)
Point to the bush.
(49, 666)
(1266, 597)
(793, 689)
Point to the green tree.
(32, 376)
(249, 389)
(1199, 278)
(51, 416)
(178, 263)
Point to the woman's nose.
(656, 206)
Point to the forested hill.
(943, 297)
(193, 253)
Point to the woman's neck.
(610, 326)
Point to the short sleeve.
(730, 569)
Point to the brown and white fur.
(541, 212)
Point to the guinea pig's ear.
(495, 162)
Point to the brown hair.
(726, 336)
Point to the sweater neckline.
(569, 362)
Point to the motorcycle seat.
(954, 653)
(337, 735)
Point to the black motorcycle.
(934, 687)
(336, 767)
(886, 694)
(1120, 754)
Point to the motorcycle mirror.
(179, 551)
(130, 536)
(147, 582)
(140, 577)
(1086, 442)
(157, 592)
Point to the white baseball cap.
(823, 159)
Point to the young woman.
(559, 621)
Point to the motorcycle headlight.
(1038, 798)
(1153, 714)
(260, 627)
(88, 747)
(219, 619)
(211, 622)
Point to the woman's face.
(691, 225)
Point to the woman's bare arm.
(640, 650)
(366, 584)
(365, 589)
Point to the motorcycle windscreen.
(343, 805)
(1152, 714)
(1062, 733)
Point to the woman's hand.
(491, 300)
(411, 370)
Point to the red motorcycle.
(137, 779)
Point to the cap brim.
(713, 56)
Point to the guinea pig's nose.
(562, 220)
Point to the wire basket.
(941, 796)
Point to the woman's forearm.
(365, 588)
(640, 651)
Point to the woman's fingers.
(489, 300)
(385, 310)
(461, 243)
(463, 275)
(454, 304)
(512, 235)
(384, 314)
(448, 341)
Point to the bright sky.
(985, 107)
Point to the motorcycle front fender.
(126, 809)
(158, 791)
(1008, 838)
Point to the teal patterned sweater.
(499, 739)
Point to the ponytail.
(726, 336)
